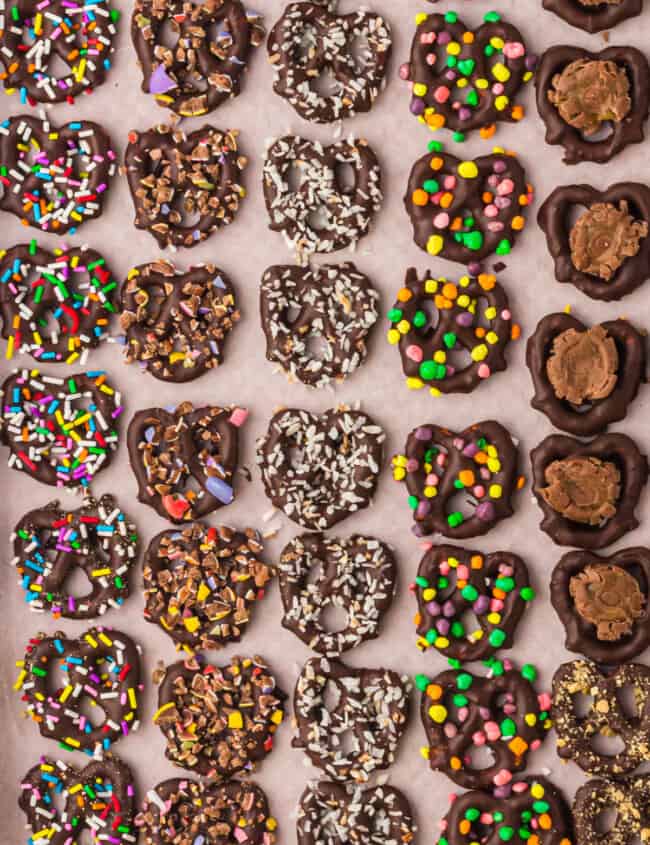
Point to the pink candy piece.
(462, 572)
(535, 744)
(484, 371)
(414, 353)
(544, 700)
(491, 210)
(441, 94)
(478, 738)
(486, 818)
(238, 417)
(502, 778)
(492, 731)
(509, 709)
(444, 568)
(497, 88)
(441, 459)
(441, 221)
(520, 786)
(411, 465)
(432, 480)
(428, 37)
(496, 605)
(404, 71)
(240, 834)
(450, 182)
(450, 730)
(506, 186)
(463, 713)
(478, 490)
(513, 50)
(505, 314)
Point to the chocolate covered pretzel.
(175, 323)
(320, 468)
(355, 575)
(55, 305)
(54, 178)
(438, 465)
(579, 92)
(605, 253)
(461, 711)
(219, 721)
(330, 813)
(467, 210)
(526, 808)
(463, 79)
(588, 492)
(311, 41)
(604, 715)
(60, 802)
(77, 37)
(184, 458)
(316, 320)
(594, 15)
(188, 810)
(184, 186)
(210, 49)
(60, 430)
(440, 329)
(628, 798)
(309, 197)
(50, 543)
(201, 582)
(367, 707)
(101, 669)
(585, 378)
(453, 582)
(603, 603)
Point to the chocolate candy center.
(610, 598)
(603, 237)
(583, 365)
(588, 93)
(583, 489)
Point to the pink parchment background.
(244, 250)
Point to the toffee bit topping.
(590, 92)
(583, 365)
(583, 489)
(603, 237)
(609, 598)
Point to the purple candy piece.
(485, 511)
(423, 433)
(160, 82)
(433, 608)
(448, 609)
(417, 106)
(220, 489)
(499, 166)
(465, 318)
(470, 450)
(481, 605)
(423, 508)
(442, 627)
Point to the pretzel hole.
(292, 313)
(331, 696)
(347, 743)
(86, 837)
(462, 502)
(605, 821)
(296, 458)
(318, 219)
(480, 757)
(166, 35)
(316, 573)
(480, 320)
(57, 66)
(333, 618)
(607, 746)
(317, 348)
(628, 703)
(57, 801)
(459, 358)
(437, 457)
(360, 53)
(183, 210)
(583, 705)
(380, 827)
(57, 678)
(306, 47)
(471, 626)
(76, 583)
(294, 177)
(326, 84)
(345, 177)
(93, 713)
(433, 318)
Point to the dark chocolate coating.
(346, 210)
(166, 312)
(320, 468)
(333, 304)
(100, 666)
(355, 574)
(330, 40)
(484, 710)
(624, 132)
(98, 798)
(213, 810)
(42, 296)
(618, 449)
(332, 813)
(422, 72)
(475, 595)
(599, 413)
(371, 710)
(605, 715)
(520, 809)
(184, 186)
(594, 18)
(201, 582)
(49, 543)
(204, 66)
(231, 711)
(459, 322)
(431, 514)
(467, 202)
(581, 634)
(172, 452)
(554, 219)
(66, 152)
(628, 797)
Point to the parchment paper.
(244, 250)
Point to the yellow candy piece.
(435, 244)
(468, 170)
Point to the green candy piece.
(458, 137)
(413, 502)
(527, 593)
(541, 806)
(464, 681)
(508, 728)
(434, 147)
(460, 700)
(472, 97)
(421, 581)
(431, 636)
(492, 17)
(466, 66)
(455, 519)
(449, 339)
(529, 672)
(428, 370)
(524, 833)
(395, 315)
(506, 584)
(458, 484)
(472, 814)
(506, 833)
(473, 241)
(419, 319)
(451, 17)
(443, 582)
(497, 816)
(422, 682)
(488, 50)
(457, 630)
(497, 638)
(452, 61)
(469, 593)
(430, 186)
(526, 815)
(504, 247)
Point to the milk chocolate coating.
(597, 385)
(554, 219)
(628, 130)
(618, 463)
(594, 15)
(605, 716)
(603, 603)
